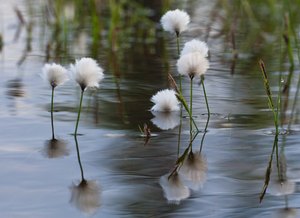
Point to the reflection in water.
(55, 148)
(173, 187)
(189, 172)
(86, 195)
(194, 170)
(15, 90)
(285, 213)
(165, 121)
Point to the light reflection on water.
(237, 145)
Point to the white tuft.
(87, 73)
(175, 21)
(195, 46)
(174, 189)
(165, 101)
(55, 74)
(192, 64)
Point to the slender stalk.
(205, 96)
(52, 102)
(178, 53)
(191, 108)
(79, 111)
(78, 157)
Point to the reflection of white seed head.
(174, 189)
(86, 196)
(194, 169)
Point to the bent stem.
(78, 157)
(52, 102)
(79, 111)
(205, 96)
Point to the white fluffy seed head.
(195, 45)
(87, 73)
(175, 21)
(165, 101)
(55, 74)
(192, 65)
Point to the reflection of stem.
(205, 96)
(269, 169)
(52, 125)
(79, 111)
(205, 131)
(286, 201)
(78, 156)
(191, 108)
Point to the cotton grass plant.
(192, 65)
(176, 21)
(87, 74)
(55, 75)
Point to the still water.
(124, 173)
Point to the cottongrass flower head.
(165, 121)
(195, 45)
(194, 170)
(192, 64)
(87, 73)
(55, 74)
(86, 196)
(165, 101)
(173, 187)
(175, 21)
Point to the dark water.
(125, 172)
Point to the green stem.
(79, 111)
(178, 54)
(205, 96)
(78, 157)
(52, 102)
(191, 108)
